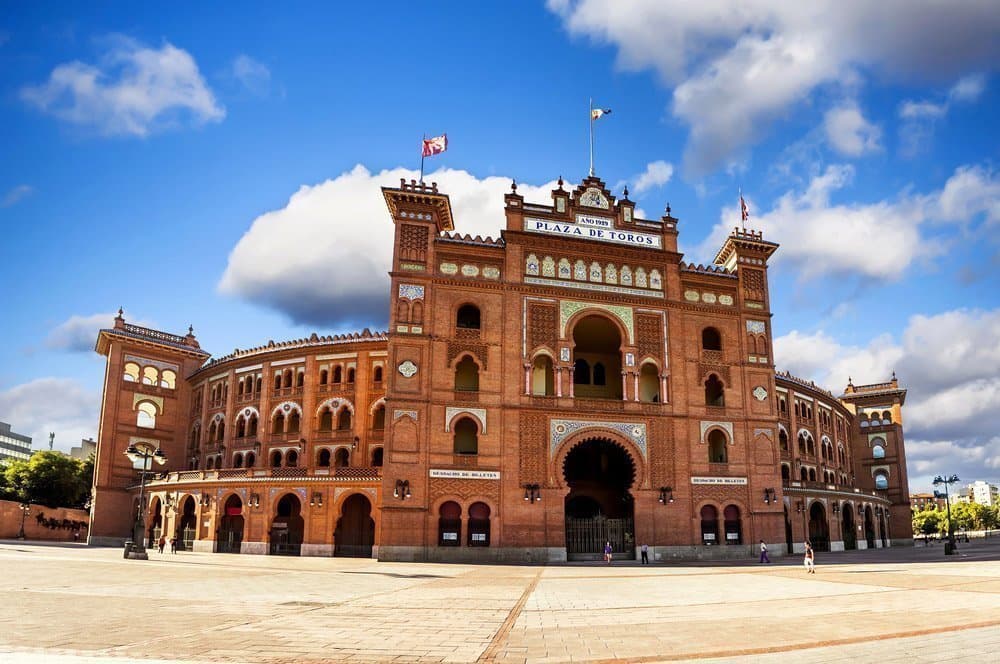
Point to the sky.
(200, 166)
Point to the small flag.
(744, 210)
(598, 113)
(436, 145)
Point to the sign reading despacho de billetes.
(586, 229)
(456, 474)
(718, 480)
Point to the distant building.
(981, 492)
(922, 501)
(86, 447)
(13, 445)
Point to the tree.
(927, 521)
(48, 478)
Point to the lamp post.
(25, 511)
(947, 503)
(146, 454)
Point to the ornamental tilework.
(728, 426)
(559, 430)
(412, 414)
(452, 411)
(755, 327)
(569, 307)
(411, 291)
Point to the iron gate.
(187, 539)
(585, 538)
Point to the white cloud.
(849, 133)
(59, 405)
(323, 259)
(918, 110)
(968, 88)
(79, 333)
(253, 75)
(919, 117)
(16, 194)
(820, 238)
(738, 66)
(950, 364)
(657, 174)
(133, 90)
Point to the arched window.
(238, 460)
(467, 317)
(812, 474)
(241, 427)
(803, 437)
(449, 524)
(292, 458)
(581, 372)
(252, 426)
(886, 417)
(709, 525)
(286, 378)
(805, 475)
(294, 422)
(377, 456)
(786, 473)
(600, 377)
(221, 431)
(542, 376)
(324, 458)
(479, 524)
(326, 419)
(239, 388)
(150, 376)
(881, 481)
(258, 384)
(278, 423)
(734, 531)
(168, 379)
(783, 439)
(131, 372)
(342, 458)
(210, 463)
(711, 339)
(300, 379)
(350, 374)
(324, 377)
(649, 383)
(715, 395)
(466, 436)
(378, 419)
(277, 381)
(211, 431)
(782, 405)
(878, 452)
(276, 459)
(417, 313)
(466, 375)
(146, 415)
(717, 452)
(403, 311)
(377, 375)
(338, 374)
(251, 459)
(344, 420)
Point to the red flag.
(436, 145)
(744, 210)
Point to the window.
(714, 393)
(378, 419)
(479, 524)
(300, 379)
(649, 383)
(292, 458)
(377, 375)
(881, 481)
(377, 456)
(338, 374)
(786, 473)
(324, 377)
(709, 525)
(466, 375)
(711, 339)
(467, 317)
(542, 376)
(449, 524)
(150, 376)
(168, 379)
(238, 460)
(783, 439)
(252, 426)
(221, 431)
(805, 475)
(717, 447)
(734, 533)
(600, 378)
(581, 372)
(344, 420)
(276, 459)
(878, 452)
(350, 374)
(146, 415)
(324, 458)
(326, 419)
(131, 372)
(241, 427)
(294, 422)
(286, 378)
(466, 439)
(277, 381)
(342, 458)
(250, 459)
(278, 423)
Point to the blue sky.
(196, 166)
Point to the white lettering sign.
(719, 480)
(455, 474)
(587, 220)
(630, 238)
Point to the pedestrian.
(173, 544)
(76, 536)
(763, 553)
(607, 552)
(810, 559)
(162, 543)
(645, 554)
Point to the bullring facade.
(569, 383)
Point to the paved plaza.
(72, 604)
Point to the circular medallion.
(407, 368)
(759, 393)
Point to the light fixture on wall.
(317, 499)
(836, 508)
(769, 496)
(254, 500)
(402, 489)
(800, 507)
(666, 495)
(354, 443)
(532, 493)
(206, 499)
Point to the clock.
(592, 197)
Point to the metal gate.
(230, 540)
(187, 539)
(585, 538)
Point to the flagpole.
(424, 138)
(591, 137)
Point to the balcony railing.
(284, 392)
(230, 474)
(826, 486)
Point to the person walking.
(645, 554)
(173, 544)
(607, 552)
(763, 553)
(810, 559)
(162, 543)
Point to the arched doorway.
(849, 533)
(597, 359)
(355, 532)
(186, 528)
(599, 507)
(287, 527)
(788, 532)
(883, 527)
(231, 526)
(819, 529)
(869, 527)
(709, 525)
(155, 524)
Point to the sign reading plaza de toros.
(592, 228)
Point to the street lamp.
(25, 511)
(146, 454)
(951, 531)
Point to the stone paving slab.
(80, 605)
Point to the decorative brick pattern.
(650, 335)
(479, 350)
(661, 453)
(541, 325)
(413, 243)
(753, 284)
(440, 486)
(531, 457)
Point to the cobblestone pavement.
(71, 604)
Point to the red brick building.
(571, 383)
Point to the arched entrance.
(788, 531)
(231, 526)
(187, 525)
(869, 527)
(155, 524)
(599, 507)
(849, 533)
(597, 363)
(884, 527)
(287, 527)
(355, 532)
(819, 529)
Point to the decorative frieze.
(560, 430)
